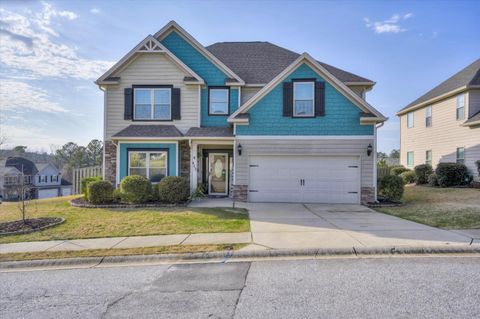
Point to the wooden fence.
(79, 173)
(383, 171)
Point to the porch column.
(193, 166)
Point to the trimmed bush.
(391, 187)
(422, 172)
(398, 169)
(84, 183)
(432, 180)
(155, 193)
(135, 189)
(452, 174)
(100, 192)
(173, 189)
(408, 177)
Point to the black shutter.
(319, 98)
(288, 99)
(176, 104)
(128, 100)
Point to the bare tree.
(20, 185)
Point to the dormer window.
(303, 99)
(218, 101)
(152, 104)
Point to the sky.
(51, 52)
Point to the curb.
(223, 256)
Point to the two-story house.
(247, 119)
(443, 125)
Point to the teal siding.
(219, 121)
(342, 117)
(172, 156)
(212, 75)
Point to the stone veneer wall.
(240, 192)
(184, 154)
(110, 150)
(367, 195)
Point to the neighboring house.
(247, 119)
(443, 125)
(44, 179)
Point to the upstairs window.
(428, 157)
(218, 101)
(410, 120)
(42, 178)
(409, 158)
(149, 164)
(303, 99)
(461, 107)
(460, 155)
(54, 178)
(428, 116)
(152, 104)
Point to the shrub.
(452, 174)
(478, 166)
(432, 180)
(391, 187)
(173, 189)
(408, 177)
(84, 183)
(398, 169)
(135, 189)
(199, 192)
(155, 193)
(100, 192)
(422, 172)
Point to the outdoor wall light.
(369, 149)
(239, 149)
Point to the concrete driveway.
(280, 225)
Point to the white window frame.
(428, 161)
(227, 111)
(459, 160)
(460, 97)
(147, 161)
(312, 83)
(428, 115)
(413, 158)
(410, 122)
(152, 103)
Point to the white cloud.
(31, 47)
(19, 96)
(95, 11)
(36, 139)
(390, 25)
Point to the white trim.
(193, 166)
(172, 25)
(147, 139)
(360, 83)
(104, 129)
(471, 123)
(117, 164)
(305, 137)
(374, 164)
(139, 49)
(178, 159)
(199, 106)
(312, 83)
(239, 97)
(307, 59)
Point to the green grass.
(98, 222)
(451, 208)
(175, 249)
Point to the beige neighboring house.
(443, 125)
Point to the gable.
(48, 170)
(342, 116)
(194, 59)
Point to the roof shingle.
(210, 132)
(260, 62)
(149, 131)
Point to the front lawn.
(97, 222)
(452, 208)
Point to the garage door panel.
(327, 179)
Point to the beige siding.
(443, 137)
(150, 69)
(248, 93)
(304, 147)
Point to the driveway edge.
(229, 255)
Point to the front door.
(218, 174)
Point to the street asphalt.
(398, 287)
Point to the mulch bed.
(383, 202)
(81, 202)
(31, 225)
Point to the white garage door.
(304, 179)
(47, 193)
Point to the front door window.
(218, 174)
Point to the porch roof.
(210, 132)
(149, 131)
